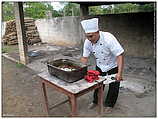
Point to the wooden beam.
(56, 105)
(98, 3)
(22, 41)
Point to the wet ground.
(22, 94)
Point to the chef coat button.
(104, 59)
(100, 43)
(93, 52)
(102, 52)
(99, 62)
(96, 58)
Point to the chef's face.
(93, 37)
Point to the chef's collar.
(96, 41)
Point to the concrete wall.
(59, 31)
(3, 26)
(135, 31)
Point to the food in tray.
(67, 67)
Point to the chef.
(109, 59)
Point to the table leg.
(73, 105)
(100, 99)
(45, 96)
(69, 101)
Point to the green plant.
(9, 49)
(4, 50)
(19, 65)
(7, 11)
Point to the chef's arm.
(84, 60)
(120, 63)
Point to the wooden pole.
(83, 10)
(22, 41)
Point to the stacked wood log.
(32, 35)
(10, 36)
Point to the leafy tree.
(94, 10)
(7, 11)
(71, 9)
(128, 8)
(36, 10)
(125, 8)
(54, 13)
(107, 10)
(147, 7)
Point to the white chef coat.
(105, 51)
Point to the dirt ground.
(22, 93)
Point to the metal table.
(72, 90)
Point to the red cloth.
(92, 75)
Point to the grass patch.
(19, 65)
(10, 48)
(4, 50)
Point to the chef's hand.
(118, 77)
(84, 60)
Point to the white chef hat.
(90, 25)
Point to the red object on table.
(92, 75)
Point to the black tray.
(68, 76)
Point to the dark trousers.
(112, 92)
